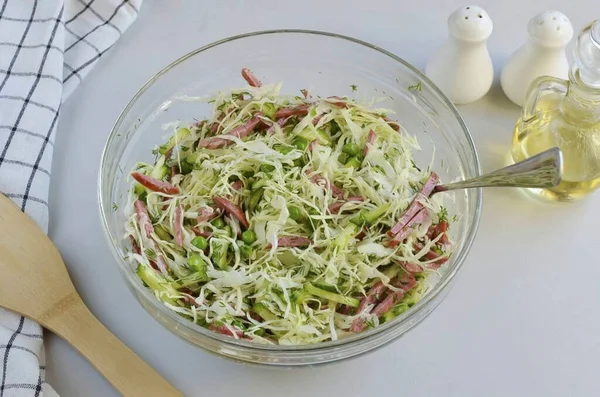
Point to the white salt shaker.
(462, 67)
(542, 55)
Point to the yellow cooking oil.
(579, 143)
(566, 114)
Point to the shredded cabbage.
(320, 183)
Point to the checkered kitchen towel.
(46, 48)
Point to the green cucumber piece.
(156, 282)
(219, 254)
(162, 233)
(160, 170)
(265, 313)
(311, 134)
(368, 217)
(177, 137)
(321, 293)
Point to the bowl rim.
(137, 288)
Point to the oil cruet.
(566, 114)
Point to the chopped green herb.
(416, 87)
(150, 253)
(443, 214)
(353, 87)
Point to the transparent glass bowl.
(326, 64)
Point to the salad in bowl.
(287, 219)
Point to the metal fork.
(544, 170)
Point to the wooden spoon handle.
(124, 369)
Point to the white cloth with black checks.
(46, 48)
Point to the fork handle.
(540, 171)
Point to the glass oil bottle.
(566, 114)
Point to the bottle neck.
(582, 103)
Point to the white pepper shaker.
(542, 55)
(462, 67)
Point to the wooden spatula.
(34, 282)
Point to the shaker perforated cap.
(470, 23)
(587, 54)
(550, 29)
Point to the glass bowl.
(325, 64)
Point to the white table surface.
(522, 319)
